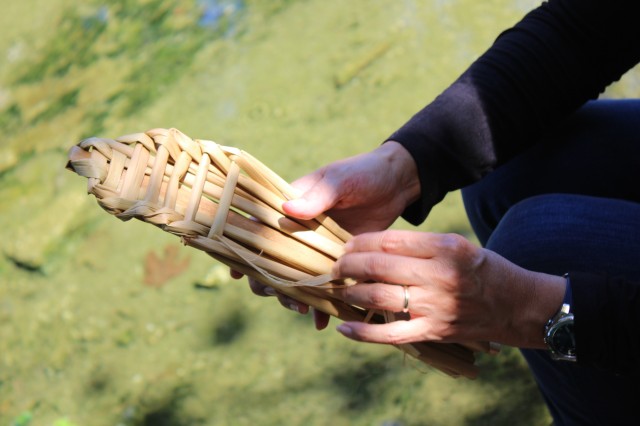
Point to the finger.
(235, 274)
(303, 184)
(392, 333)
(386, 297)
(406, 243)
(382, 267)
(320, 319)
(319, 198)
(260, 289)
(293, 304)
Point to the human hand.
(458, 292)
(367, 192)
(364, 193)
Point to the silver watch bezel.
(563, 318)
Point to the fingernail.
(296, 203)
(294, 307)
(345, 330)
(270, 291)
(348, 246)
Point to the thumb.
(315, 201)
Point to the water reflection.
(216, 13)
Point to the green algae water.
(111, 323)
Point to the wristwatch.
(559, 335)
(558, 332)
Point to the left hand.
(458, 292)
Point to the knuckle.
(374, 266)
(447, 326)
(390, 241)
(461, 249)
(450, 277)
(444, 331)
(454, 243)
(379, 296)
(396, 339)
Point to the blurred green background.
(111, 323)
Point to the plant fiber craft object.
(228, 204)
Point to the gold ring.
(405, 308)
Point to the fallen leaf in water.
(160, 269)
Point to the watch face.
(563, 340)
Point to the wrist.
(403, 168)
(529, 299)
(547, 299)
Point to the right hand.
(364, 193)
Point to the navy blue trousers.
(572, 202)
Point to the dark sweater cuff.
(450, 142)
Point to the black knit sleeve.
(606, 322)
(559, 56)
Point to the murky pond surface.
(111, 323)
